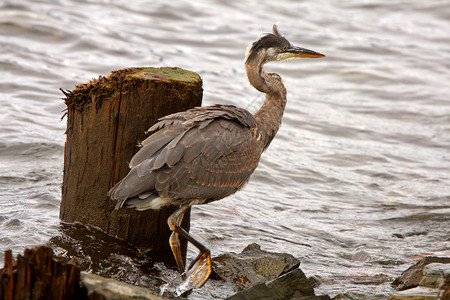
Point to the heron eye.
(284, 48)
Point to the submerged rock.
(253, 266)
(412, 276)
(294, 285)
(427, 279)
(435, 275)
(101, 288)
(417, 293)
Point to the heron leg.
(173, 221)
(174, 242)
(202, 262)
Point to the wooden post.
(106, 118)
(39, 275)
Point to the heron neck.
(268, 117)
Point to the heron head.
(275, 47)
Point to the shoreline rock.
(293, 285)
(253, 266)
(101, 288)
(264, 275)
(429, 278)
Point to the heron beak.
(295, 52)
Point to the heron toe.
(201, 269)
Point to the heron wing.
(171, 126)
(203, 153)
(216, 161)
(155, 142)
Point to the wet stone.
(417, 293)
(361, 256)
(427, 279)
(101, 288)
(293, 285)
(435, 275)
(412, 276)
(253, 266)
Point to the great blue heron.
(207, 153)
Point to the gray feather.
(155, 143)
(132, 185)
(204, 153)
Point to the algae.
(108, 86)
(167, 73)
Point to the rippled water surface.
(356, 183)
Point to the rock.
(411, 277)
(293, 285)
(435, 275)
(417, 293)
(266, 275)
(101, 288)
(361, 256)
(429, 279)
(253, 266)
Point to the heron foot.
(199, 270)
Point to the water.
(356, 183)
